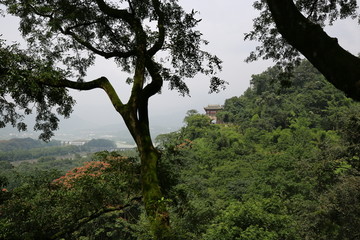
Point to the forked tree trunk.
(155, 204)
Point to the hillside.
(283, 166)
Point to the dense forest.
(283, 165)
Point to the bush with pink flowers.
(100, 199)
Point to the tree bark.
(338, 66)
(136, 117)
(155, 204)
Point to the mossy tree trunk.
(152, 196)
(137, 122)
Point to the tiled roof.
(214, 107)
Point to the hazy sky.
(223, 25)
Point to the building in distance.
(212, 110)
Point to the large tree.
(301, 26)
(64, 38)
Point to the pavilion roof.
(214, 107)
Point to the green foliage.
(35, 153)
(5, 165)
(195, 124)
(94, 29)
(19, 70)
(100, 143)
(269, 173)
(24, 143)
(339, 210)
(98, 200)
(276, 170)
(252, 220)
(18, 173)
(29, 149)
(71, 34)
(268, 105)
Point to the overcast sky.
(223, 25)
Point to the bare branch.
(101, 83)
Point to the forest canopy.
(284, 165)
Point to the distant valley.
(77, 128)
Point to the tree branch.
(161, 38)
(115, 13)
(102, 83)
(93, 216)
(312, 9)
(131, 6)
(67, 31)
(95, 50)
(157, 80)
(339, 67)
